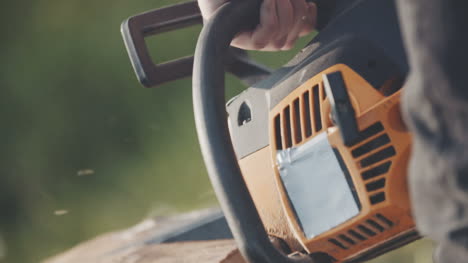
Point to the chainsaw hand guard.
(214, 137)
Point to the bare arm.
(282, 22)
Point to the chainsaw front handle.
(213, 133)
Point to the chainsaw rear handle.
(137, 28)
(213, 133)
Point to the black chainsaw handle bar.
(213, 133)
(137, 28)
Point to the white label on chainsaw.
(316, 186)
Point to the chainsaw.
(310, 162)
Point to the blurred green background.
(85, 149)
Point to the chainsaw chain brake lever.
(137, 28)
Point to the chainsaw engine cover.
(311, 189)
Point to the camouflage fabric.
(436, 108)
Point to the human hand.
(282, 22)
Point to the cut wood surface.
(140, 244)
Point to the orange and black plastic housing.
(360, 40)
(376, 164)
(291, 108)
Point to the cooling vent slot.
(279, 142)
(375, 225)
(373, 153)
(384, 220)
(287, 127)
(375, 185)
(370, 146)
(297, 121)
(317, 109)
(301, 119)
(346, 239)
(377, 198)
(376, 171)
(370, 228)
(337, 243)
(369, 132)
(366, 231)
(357, 235)
(379, 156)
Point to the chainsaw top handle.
(213, 133)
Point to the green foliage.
(85, 149)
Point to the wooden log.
(222, 251)
(147, 242)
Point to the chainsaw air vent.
(307, 120)
(377, 198)
(346, 239)
(369, 132)
(375, 225)
(301, 119)
(279, 143)
(370, 146)
(297, 121)
(317, 113)
(378, 156)
(373, 153)
(376, 171)
(357, 235)
(384, 220)
(337, 243)
(368, 229)
(287, 131)
(375, 185)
